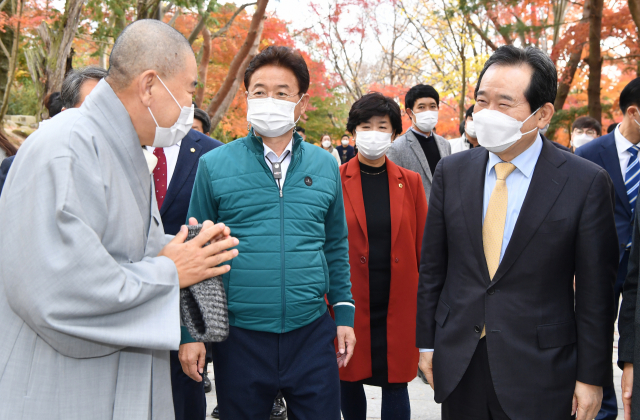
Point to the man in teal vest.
(282, 198)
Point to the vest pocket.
(557, 335)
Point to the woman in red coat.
(386, 209)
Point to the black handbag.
(203, 306)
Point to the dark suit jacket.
(538, 342)
(603, 152)
(346, 153)
(4, 170)
(176, 203)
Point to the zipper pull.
(280, 193)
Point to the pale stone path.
(422, 405)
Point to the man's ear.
(546, 112)
(304, 102)
(145, 82)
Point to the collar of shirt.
(525, 162)
(284, 163)
(622, 146)
(171, 153)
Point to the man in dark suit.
(617, 153)
(345, 151)
(173, 177)
(502, 333)
(4, 170)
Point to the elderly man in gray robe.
(89, 283)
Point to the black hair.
(469, 112)
(374, 104)
(281, 57)
(301, 130)
(543, 86)
(611, 127)
(204, 118)
(344, 135)
(420, 91)
(587, 123)
(73, 81)
(53, 103)
(630, 95)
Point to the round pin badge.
(308, 181)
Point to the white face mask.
(373, 144)
(544, 130)
(271, 117)
(580, 140)
(496, 131)
(167, 137)
(426, 120)
(326, 143)
(470, 129)
(344, 142)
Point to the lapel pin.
(400, 185)
(193, 150)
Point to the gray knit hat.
(203, 306)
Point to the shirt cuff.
(185, 337)
(344, 313)
(426, 350)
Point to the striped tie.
(632, 179)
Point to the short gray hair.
(73, 81)
(147, 44)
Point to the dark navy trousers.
(609, 408)
(251, 366)
(189, 402)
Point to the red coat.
(408, 216)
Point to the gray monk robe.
(87, 311)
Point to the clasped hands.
(196, 262)
(586, 398)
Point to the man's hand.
(196, 262)
(192, 358)
(627, 386)
(426, 366)
(346, 338)
(586, 401)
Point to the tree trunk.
(564, 84)
(463, 90)
(238, 61)
(204, 66)
(634, 7)
(228, 99)
(10, 39)
(595, 60)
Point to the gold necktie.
(493, 227)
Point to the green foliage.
(330, 116)
(23, 99)
(222, 135)
(562, 119)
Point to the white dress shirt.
(284, 165)
(622, 145)
(171, 153)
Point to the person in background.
(78, 84)
(501, 330)
(288, 213)
(345, 151)
(325, 142)
(420, 149)
(583, 131)
(468, 139)
(612, 127)
(201, 121)
(302, 132)
(7, 154)
(173, 177)
(53, 103)
(617, 153)
(386, 209)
